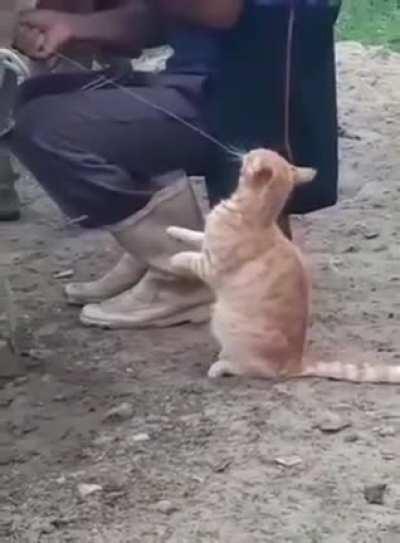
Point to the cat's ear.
(262, 174)
(304, 175)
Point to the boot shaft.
(9, 202)
(145, 233)
(7, 173)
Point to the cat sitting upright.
(259, 279)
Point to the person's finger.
(25, 39)
(29, 41)
(33, 17)
(49, 46)
(27, 18)
(40, 42)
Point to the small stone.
(388, 455)
(46, 526)
(289, 461)
(39, 527)
(380, 248)
(166, 507)
(387, 431)
(115, 482)
(140, 437)
(7, 456)
(27, 426)
(66, 274)
(375, 494)
(47, 330)
(371, 235)
(86, 490)
(21, 380)
(222, 466)
(351, 249)
(332, 423)
(121, 412)
(103, 441)
(39, 354)
(61, 480)
(351, 438)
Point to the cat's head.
(271, 178)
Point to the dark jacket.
(249, 106)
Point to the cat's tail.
(363, 373)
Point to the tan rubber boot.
(157, 301)
(161, 298)
(126, 273)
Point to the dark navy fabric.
(99, 153)
(249, 104)
(196, 50)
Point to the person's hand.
(41, 33)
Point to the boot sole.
(80, 301)
(76, 301)
(196, 315)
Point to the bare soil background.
(186, 460)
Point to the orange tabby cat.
(259, 279)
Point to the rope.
(288, 83)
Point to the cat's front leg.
(223, 368)
(191, 237)
(191, 264)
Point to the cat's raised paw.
(174, 232)
(192, 238)
(180, 263)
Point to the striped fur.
(261, 285)
(362, 373)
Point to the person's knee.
(40, 124)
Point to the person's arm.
(131, 27)
(127, 29)
(221, 14)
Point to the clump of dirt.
(182, 459)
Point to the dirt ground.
(192, 461)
